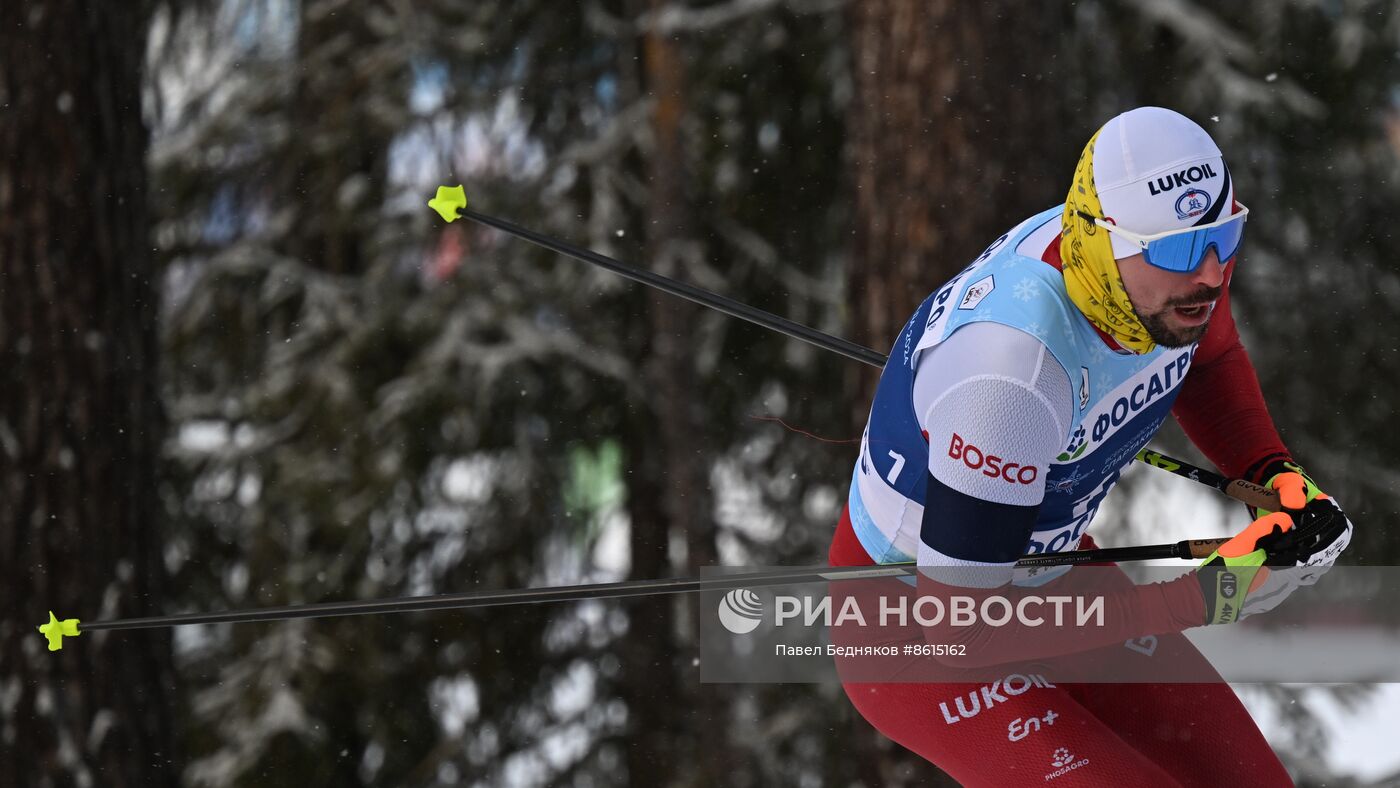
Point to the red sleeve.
(1221, 407)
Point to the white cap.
(1156, 170)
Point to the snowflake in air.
(1025, 290)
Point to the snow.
(204, 437)
(456, 703)
(468, 480)
(1361, 741)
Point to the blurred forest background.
(246, 365)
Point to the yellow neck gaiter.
(1086, 256)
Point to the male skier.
(1010, 404)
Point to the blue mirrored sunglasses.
(1181, 251)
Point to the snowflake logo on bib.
(1025, 290)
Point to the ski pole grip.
(1202, 548)
(1252, 494)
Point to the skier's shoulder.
(1011, 283)
(988, 350)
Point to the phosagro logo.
(740, 611)
(1064, 763)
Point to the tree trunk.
(338, 160)
(80, 417)
(955, 136)
(676, 459)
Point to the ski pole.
(1242, 490)
(56, 629)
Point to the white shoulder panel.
(996, 407)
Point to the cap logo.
(1193, 202)
(1190, 175)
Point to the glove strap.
(1237, 568)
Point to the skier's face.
(1174, 308)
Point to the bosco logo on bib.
(991, 464)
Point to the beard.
(1169, 336)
